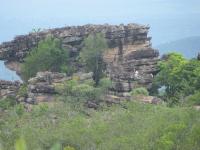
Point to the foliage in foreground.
(47, 56)
(136, 126)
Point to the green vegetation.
(135, 126)
(139, 91)
(23, 91)
(193, 99)
(6, 103)
(47, 56)
(67, 124)
(92, 55)
(20, 144)
(179, 77)
(77, 93)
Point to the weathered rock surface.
(72, 38)
(8, 88)
(131, 62)
(42, 88)
(146, 99)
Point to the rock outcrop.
(131, 61)
(8, 88)
(72, 37)
(42, 88)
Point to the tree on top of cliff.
(48, 56)
(92, 55)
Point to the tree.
(92, 55)
(47, 56)
(180, 77)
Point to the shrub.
(8, 102)
(89, 82)
(67, 69)
(48, 55)
(139, 91)
(168, 140)
(40, 109)
(23, 91)
(193, 99)
(56, 146)
(105, 83)
(19, 109)
(83, 90)
(66, 87)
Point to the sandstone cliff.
(131, 61)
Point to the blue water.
(6, 74)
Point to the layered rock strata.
(42, 88)
(8, 88)
(131, 61)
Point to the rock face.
(8, 88)
(147, 99)
(131, 61)
(42, 88)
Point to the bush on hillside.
(105, 83)
(78, 92)
(47, 56)
(193, 99)
(23, 90)
(180, 78)
(6, 103)
(139, 91)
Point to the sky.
(21, 16)
(169, 19)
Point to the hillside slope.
(189, 47)
(134, 126)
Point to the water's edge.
(7, 74)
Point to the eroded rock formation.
(131, 61)
(122, 37)
(8, 88)
(42, 88)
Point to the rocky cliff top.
(72, 37)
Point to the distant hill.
(189, 47)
